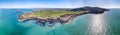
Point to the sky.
(58, 3)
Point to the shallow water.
(89, 24)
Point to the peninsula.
(58, 15)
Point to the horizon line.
(58, 7)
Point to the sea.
(107, 23)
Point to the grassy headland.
(49, 13)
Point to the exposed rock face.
(63, 18)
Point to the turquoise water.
(89, 24)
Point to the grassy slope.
(52, 13)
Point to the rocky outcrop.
(93, 10)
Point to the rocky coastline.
(62, 19)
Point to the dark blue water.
(89, 24)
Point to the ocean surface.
(107, 23)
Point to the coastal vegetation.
(52, 13)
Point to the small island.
(58, 15)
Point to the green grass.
(51, 13)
